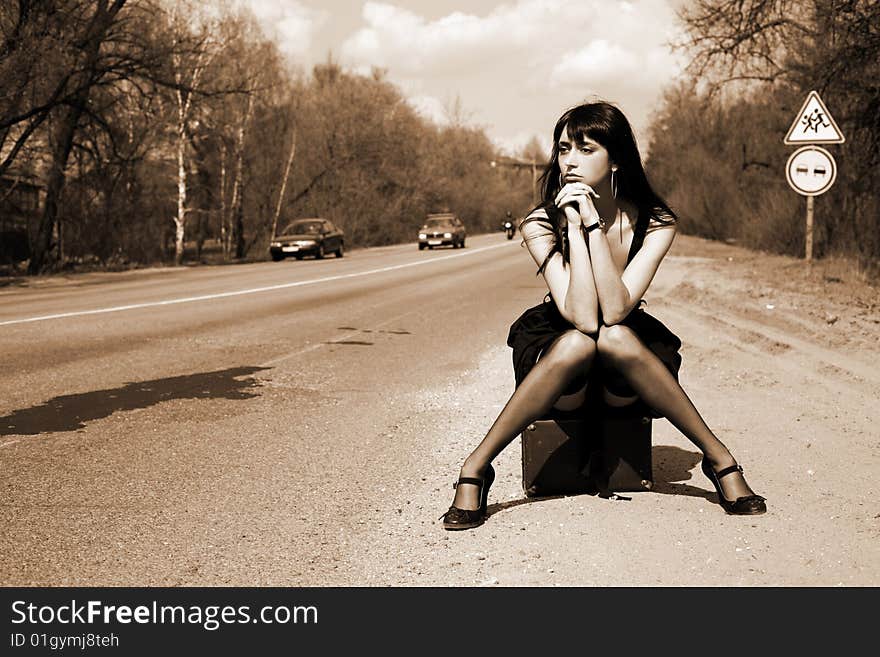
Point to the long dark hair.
(605, 124)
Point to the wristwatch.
(598, 224)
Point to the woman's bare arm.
(618, 294)
(571, 285)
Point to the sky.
(511, 67)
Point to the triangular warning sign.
(814, 124)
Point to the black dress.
(537, 328)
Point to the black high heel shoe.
(456, 518)
(748, 505)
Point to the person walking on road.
(598, 238)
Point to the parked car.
(303, 237)
(444, 229)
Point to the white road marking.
(269, 288)
(299, 352)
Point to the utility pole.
(531, 165)
(534, 182)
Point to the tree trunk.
(183, 109)
(284, 184)
(224, 233)
(238, 184)
(54, 186)
(238, 228)
(229, 219)
(200, 236)
(180, 218)
(94, 37)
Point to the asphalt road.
(228, 437)
(300, 423)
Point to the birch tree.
(284, 183)
(191, 55)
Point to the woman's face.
(587, 162)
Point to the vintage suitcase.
(555, 457)
(604, 455)
(625, 452)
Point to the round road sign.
(811, 171)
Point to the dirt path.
(781, 361)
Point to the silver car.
(442, 230)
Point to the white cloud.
(513, 145)
(598, 61)
(411, 43)
(605, 65)
(291, 24)
(515, 68)
(526, 34)
(430, 108)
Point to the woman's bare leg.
(622, 349)
(571, 354)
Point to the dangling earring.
(613, 183)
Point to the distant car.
(302, 237)
(442, 230)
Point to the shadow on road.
(670, 466)
(71, 412)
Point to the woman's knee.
(573, 347)
(618, 343)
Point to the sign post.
(808, 238)
(811, 170)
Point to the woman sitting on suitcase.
(598, 240)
